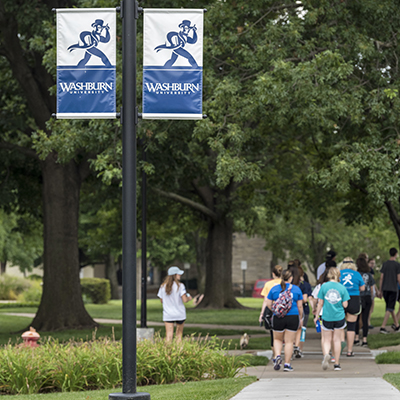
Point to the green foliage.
(33, 294)
(20, 239)
(391, 357)
(98, 365)
(251, 360)
(96, 289)
(303, 236)
(11, 286)
(192, 359)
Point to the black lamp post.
(129, 117)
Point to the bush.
(12, 286)
(33, 294)
(97, 289)
(78, 366)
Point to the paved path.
(360, 377)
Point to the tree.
(252, 147)
(302, 236)
(61, 150)
(21, 243)
(363, 162)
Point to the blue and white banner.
(173, 64)
(86, 58)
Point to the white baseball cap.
(175, 270)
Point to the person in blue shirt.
(352, 280)
(332, 300)
(285, 327)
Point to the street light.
(186, 267)
(243, 267)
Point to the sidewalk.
(360, 377)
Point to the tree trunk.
(3, 265)
(219, 291)
(111, 275)
(318, 247)
(61, 306)
(201, 249)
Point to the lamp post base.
(129, 396)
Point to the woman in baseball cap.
(173, 295)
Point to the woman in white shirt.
(172, 294)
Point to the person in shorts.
(352, 280)
(333, 299)
(390, 277)
(173, 295)
(285, 327)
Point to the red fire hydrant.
(30, 337)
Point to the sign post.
(243, 266)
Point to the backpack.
(283, 303)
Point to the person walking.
(305, 287)
(351, 279)
(330, 256)
(332, 300)
(371, 265)
(173, 295)
(366, 299)
(265, 311)
(390, 276)
(285, 327)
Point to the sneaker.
(288, 368)
(396, 329)
(384, 331)
(277, 363)
(364, 344)
(299, 354)
(333, 359)
(370, 327)
(296, 352)
(356, 343)
(325, 362)
(337, 367)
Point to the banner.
(173, 64)
(86, 59)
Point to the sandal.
(350, 354)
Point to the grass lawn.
(221, 389)
(393, 379)
(248, 317)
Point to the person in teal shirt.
(333, 298)
(352, 280)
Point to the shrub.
(97, 364)
(12, 286)
(33, 294)
(97, 289)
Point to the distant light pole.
(243, 266)
(186, 267)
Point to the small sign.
(243, 265)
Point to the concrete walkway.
(360, 377)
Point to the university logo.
(176, 41)
(89, 42)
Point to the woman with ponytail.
(172, 294)
(285, 327)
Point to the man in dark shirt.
(390, 276)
